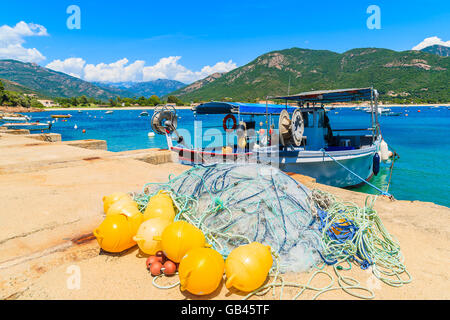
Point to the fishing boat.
(32, 126)
(144, 114)
(61, 116)
(109, 112)
(295, 139)
(16, 119)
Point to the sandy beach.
(55, 189)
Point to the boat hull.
(327, 171)
(316, 164)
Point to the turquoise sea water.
(422, 139)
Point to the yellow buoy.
(147, 232)
(160, 205)
(201, 271)
(115, 233)
(124, 206)
(110, 199)
(178, 238)
(247, 266)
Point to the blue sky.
(203, 33)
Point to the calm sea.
(422, 139)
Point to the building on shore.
(48, 103)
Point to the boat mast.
(371, 109)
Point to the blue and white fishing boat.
(296, 136)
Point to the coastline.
(24, 110)
(189, 107)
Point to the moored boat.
(295, 139)
(28, 125)
(18, 119)
(59, 116)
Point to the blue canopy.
(217, 107)
(329, 96)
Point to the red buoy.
(169, 267)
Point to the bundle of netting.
(235, 204)
(356, 234)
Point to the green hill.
(50, 83)
(410, 75)
(16, 87)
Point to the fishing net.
(235, 204)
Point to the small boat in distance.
(109, 112)
(143, 114)
(18, 119)
(28, 125)
(59, 116)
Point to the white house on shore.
(48, 103)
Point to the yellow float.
(201, 271)
(124, 206)
(178, 238)
(114, 197)
(160, 205)
(115, 233)
(147, 232)
(247, 266)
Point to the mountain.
(407, 74)
(442, 51)
(50, 83)
(198, 84)
(14, 86)
(158, 87)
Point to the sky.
(187, 40)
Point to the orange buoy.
(115, 233)
(247, 266)
(124, 206)
(113, 197)
(160, 205)
(178, 238)
(169, 267)
(146, 233)
(201, 271)
(155, 268)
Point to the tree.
(2, 93)
(83, 100)
(154, 100)
(174, 99)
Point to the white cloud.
(71, 66)
(430, 42)
(12, 40)
(169, 68)
(114, 72)
(120, 71)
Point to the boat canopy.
(330, 96)
(217, 107)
